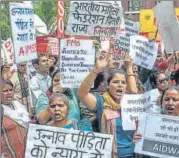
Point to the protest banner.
(160, 136)
(122, 43)
(60, 18)
(167, 25)
(143, 51)
(131, 27)
(77, 58)
(48, 142)
(94, 18)
(53, 45)
(132, 105)
(23, 31)
(8, 51)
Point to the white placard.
(122, 43)
(49, 142)
(77, 58)
(8, 51)
(23, 31)
(131, 27)
(160, 136)
(167, 25)
(132, 105)
(53, 45)
(94, 18)
(142, 51)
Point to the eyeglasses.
(163, 80)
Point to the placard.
(143, 51)
(160, 136)
(132, 105)
(53, 45)
(122, 43)
(77, 58)
(131, 27)
(23, 31)
(94, 18)
(48, 142)
(8, 51)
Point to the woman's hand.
(128, 61)
(102, 62)
(136, 137)
(57, 89)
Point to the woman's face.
(162, 81)
(58, 109)
(170, 102)
(117, 86)
(7, 94)
(56, 80)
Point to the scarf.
(108, 121)
(18, 114)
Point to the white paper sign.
(94, 18)
(132, 105)
(122, 43)
(8, 51)
(160, 136)
(53, 46)
(168, 25)
(23, 31)
(143, 52)
(131, 27)
(77, 58)
(49, 142)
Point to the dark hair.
(153, 77)
(112, 72)
(55, 59)
(66, 91)
(168, 89)
(36, 61)
(8, 82)
(100, 78)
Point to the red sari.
(13, 138)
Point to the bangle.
(95, 72)
(131, 75)
(87, 83)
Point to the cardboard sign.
(23, 31)
(94, 18)
(132, 105)
(49, 142)
(53, 45)
(143, 52)
(77, 58)
(160, 136)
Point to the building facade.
(132, 7)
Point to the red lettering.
(73, 42)
(9, 50)
(21, 52)
(7, 44)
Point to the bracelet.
(131, 75)
(87, 83)
(95, 72)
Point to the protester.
(117, 86)
(15, 122)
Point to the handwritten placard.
(122, 43)
(49, 142)
(143, 51)
(132, 105)
(53, 45)
(23, 31)
(160, 136)
(131, 27)
(77, 59)
(8, 51)
(94, 18)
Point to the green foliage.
(46, 10)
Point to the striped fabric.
(13, 139)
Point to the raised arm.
(87, 98)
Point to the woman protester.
(107, 107)
(15, 122)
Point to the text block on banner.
(23, 32)
(77, 58)
(8, 49)
(143, 51)
(53, 45)
(49, 142)
(160, 135)
(131, 27)
(132, 105)
(94, 18)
